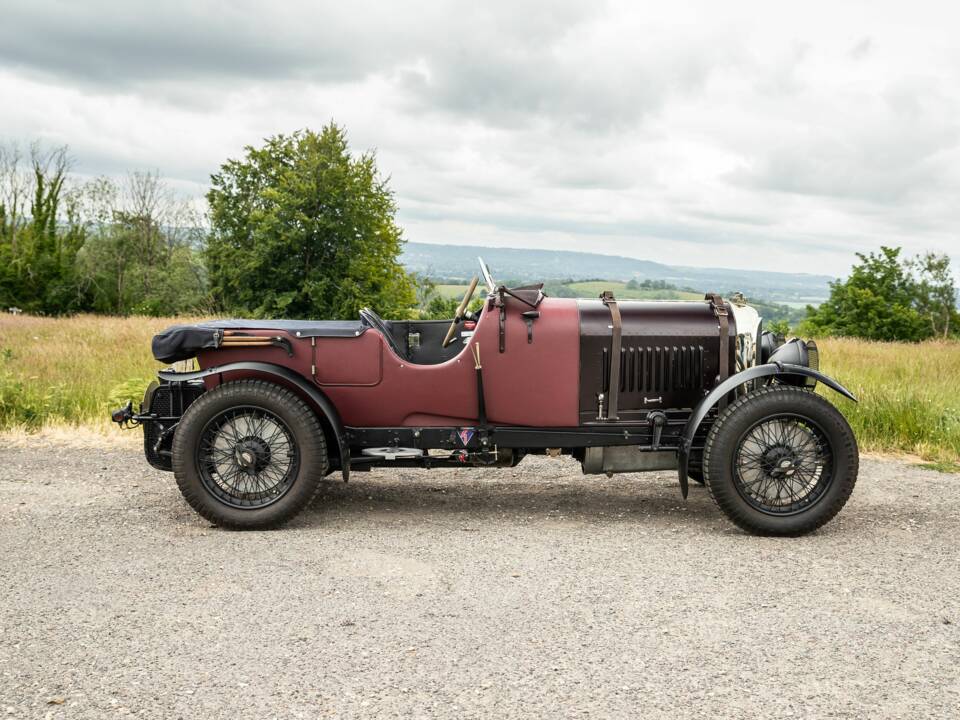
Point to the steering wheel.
(451, 331)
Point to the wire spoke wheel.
(783, 464)
(780, 460)
(247, 457)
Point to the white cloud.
(727, 134)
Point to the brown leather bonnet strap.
(617, 326)
(501, 306)
(720, 310)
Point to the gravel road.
(535, 592)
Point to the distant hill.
(460, 262)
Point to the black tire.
(775, 430)
(282, 445)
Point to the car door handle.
(528, 317)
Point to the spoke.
(799, 437)
(789, 489)
(776, 431)
(274, 475)
(257, 431)
(751, 455)
(257, 483)
(786, 433)
(772, 442)
(261, 423)
(278, 433)
(764, 435)
(232, 479)
(229, 431)
(266, 479)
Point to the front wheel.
(780, 461)
(249, 455)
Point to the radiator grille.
(647, 369)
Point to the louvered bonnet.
(669, 356)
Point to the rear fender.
(289, 376)
(732, 382)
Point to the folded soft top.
(182, 342)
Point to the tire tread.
(314, 444)
(725, 495)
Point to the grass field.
(56, 371)
(909, 395)
(622, 292)
(452, 291)
(71, 371)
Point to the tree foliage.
(885, 298)
(302, 229)
(142, 255)
(39, 241)
(777, 327)
(936, 293)
(116, 248)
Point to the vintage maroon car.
(622, 386)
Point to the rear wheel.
(780, 461)
(249, 455)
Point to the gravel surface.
(535, 592)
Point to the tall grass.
(71, 371)
(56, 371)
(909, 394)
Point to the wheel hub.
(782, 465)
(251, 455)
(779, 461)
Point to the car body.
(622, 386)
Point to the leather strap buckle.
(720, 311)
(615, 342)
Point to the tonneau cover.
(182, 342)
(298, 328)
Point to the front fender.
(288, 375)
(732, 382)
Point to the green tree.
(143, 251)
(302, 229)
(440, 308)
(39, 245)
(878, 302)
(936, 296)
(778, 327)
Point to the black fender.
(734, 381)
(295, 379)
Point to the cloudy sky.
(762, 134)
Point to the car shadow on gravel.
(587, 501)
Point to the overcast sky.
(769, 135)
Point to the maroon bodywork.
(533, 384)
